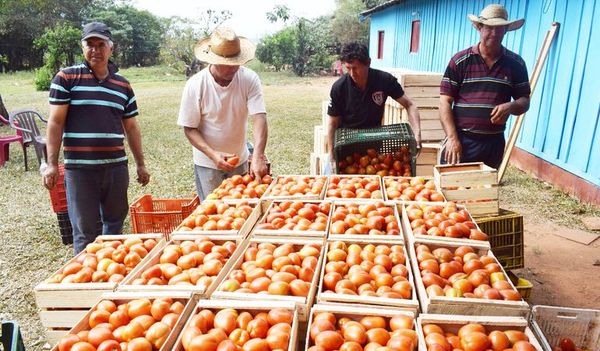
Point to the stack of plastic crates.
(150, 215)
(385, 140)
(505, 233)
(552, 324)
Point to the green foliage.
(278, 49)
(345, 25)
(280, 12)
(43, 78)
(369, 4)
(61, 46)
(137, 35)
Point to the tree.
(280, 12)
(278, 49)
(345, 25)
(61, 48)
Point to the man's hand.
(452, 150)
(500, 113)
(259, 166)
(418, 142)
(220, 160)
(143, 176)
(50, 176)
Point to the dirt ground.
(563, 272)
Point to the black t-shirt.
(363, 109)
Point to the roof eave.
(365, 14)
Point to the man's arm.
(452, 148)
(134, 139)
(333, 123)
(197, 141)
(54, 131)
(260, 132)
(413, 117)
(501, 112)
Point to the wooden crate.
(197, 290)
(462, 305)
(63, 305)
(253, 307)
(320, 140)
(428, 158)
(453, 323)
(318, 162)
(472, 184)
(268, 194)
(243, 232)
(290, 233)
(353, 199)
(385, 191)
(355, 313)
(411, 304)
(303, 304)
(397, 239)
(82, 322)
(411, 236)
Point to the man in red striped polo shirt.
(482, 86)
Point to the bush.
(43, 78)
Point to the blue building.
(560, 138)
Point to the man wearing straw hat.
(482, 86)
(215, 106)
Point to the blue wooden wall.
(563, 123)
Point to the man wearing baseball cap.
(482, 86)
(215, 106)
(92, 111)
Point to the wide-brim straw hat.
(224, 47)
(496, 15)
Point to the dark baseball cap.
(96, 30)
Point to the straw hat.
(496, 15)
(223, 47)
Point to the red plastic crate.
(150, 215)
(58, 194)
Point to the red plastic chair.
(4, 147)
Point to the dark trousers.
(94, 194)
(486, 148)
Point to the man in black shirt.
(358, 97)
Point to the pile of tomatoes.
(283, 269)
(369, 218)
(367, 270)
(443, 220)
(463, 273)
(475, 337)
(354, 187)
(231, 330)
(192, 263)
(296, 215)
(241, 187)
(104, 261)
(140, 324)
(327, 332)
(412, 189)
(217, 216)
(396, 164)
(297, 186)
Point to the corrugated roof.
(378, 8)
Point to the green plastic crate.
(385, 140)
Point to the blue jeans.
(94, 194)
(208, 179)
(486, 148)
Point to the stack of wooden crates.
(423, 88)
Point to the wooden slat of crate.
(433, 134)
(293, 233)
(54, 336)
(428, 114)
(430, 155)
(411, 236)
(243, 232)
(354, 199)
(411, 304)
(243, 306)
(301, 197)
(353, 312)
(453, 323)
(418, 79)
(462, 305)
(396, 239)
(303, 304)
(413, 91)
(324, 115)
(317, 163)
(126, 285)
(320, 140)
(85, 295)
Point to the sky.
(248, 16)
